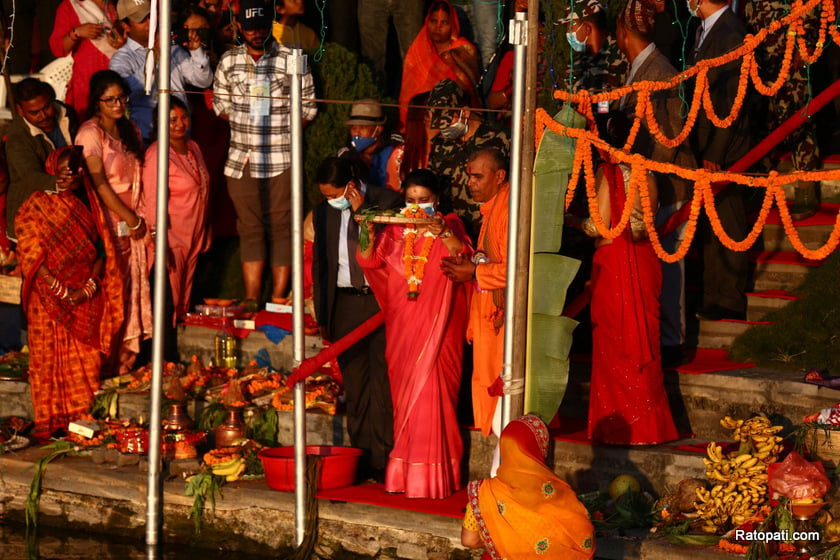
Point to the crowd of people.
(81, 208)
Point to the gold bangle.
(139, 223)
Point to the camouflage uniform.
(605, 70)
(795, 92)
(448, 159)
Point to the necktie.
(698, 37)
(357, 277)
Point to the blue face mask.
(362, 143)
(340, 202)
(576, 44)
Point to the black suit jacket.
(327, 220)
(723, 146)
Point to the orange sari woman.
(526, 511)
(439, 52)
(72, 294)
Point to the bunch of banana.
(739, 482)
(757, 436)
(231, 469)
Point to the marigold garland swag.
(415, 265)
(703, 180)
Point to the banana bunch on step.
(757, 435)
(739, 482)
(231, 469)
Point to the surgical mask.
(362, 143)
(576, 44)
(455, 131)
(340, 202)
(696, 11)
(427, 207)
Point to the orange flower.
(415, 265)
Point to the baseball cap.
(579, 9)
(254, 14)
(135, 10)
(366, 112)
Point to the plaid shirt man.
(262, 141)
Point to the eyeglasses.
(112, 101)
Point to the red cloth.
(627, 403)
(424, 345)
(424, 67)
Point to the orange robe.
(485, 330)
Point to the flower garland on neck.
(415, 265)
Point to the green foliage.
(203, 487)
(804, 333)
(211, 416)
(262, 427)
(340, 75)
(59, 448)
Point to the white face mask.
(428, 207)
(455, 131)
(340, 202)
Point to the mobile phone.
(122, 229)
(75, 161)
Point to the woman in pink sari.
(85, 29)
(426, 321)
(189, 184)
(113, 150)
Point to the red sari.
(424, 67)
(67, 343)
(424, 346)
(627, 401)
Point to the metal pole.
(518, 38)
(153, 488)
(296, 68)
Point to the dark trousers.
(725, 271)
(370, 416)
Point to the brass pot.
(177, 420)
(230, 430)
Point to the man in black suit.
(724, 271)
(343, 300)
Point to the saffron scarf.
(527, 511)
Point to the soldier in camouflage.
(598, 64)
(793, 95)
(460, 131)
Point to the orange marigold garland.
(415, 265)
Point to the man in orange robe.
(488, 185)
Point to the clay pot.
(230, 430)
(177, 420)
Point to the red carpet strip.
(708, 360)
(375, 495)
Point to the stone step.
(778, 276)
(813, 237)
(719, 334)
(759, 305)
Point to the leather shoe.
(718, 313)
(672, 356)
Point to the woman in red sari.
(437, 53)
(526, 511)
(72, 294)
(425, 325)
(627, 401)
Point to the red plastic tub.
(338, 467)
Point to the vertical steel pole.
(296, 68)
(153, 487)
(518, 38)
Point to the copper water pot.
(177, 419)
(230, 430)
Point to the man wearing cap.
(634, 33)
(188, 66)
(381, 153)
(724, 271)
(598, 63)
(460, 131)
(251, 90)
